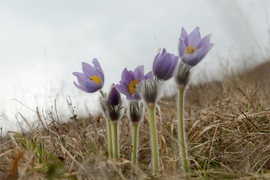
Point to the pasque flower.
(130, 80)
(114, 97)
(164, 65)
(192, 48)
(92, 77)
(135, 111)
(112, 104)
(112, 108)
(163, 69)
(149, 90)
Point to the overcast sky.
(43, 42)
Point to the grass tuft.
(228, 135)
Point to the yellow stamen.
(96, 79)
(132, 86)
(191, 49)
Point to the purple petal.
(114, 96)
(183, 33)
(182, 47)
(88, 70)
(101, 76)
(161, 55)
(92, 86)
(123, 88)
(164, 65)
(127, 76)
(204, 40)
(149, 75)
(156, 61)
(164, 72)
(190, 59)
(204, 50)
(124, 74)
(194, 37)
(81, 77)
(97, 65)
(99, 71)
(174, 60)
(135, 96)
(138, 72)
(206, 47)
(83, 88)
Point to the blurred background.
(43, 42)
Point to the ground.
(227, 129)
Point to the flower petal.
(182, 47)
(190, 59)
(138, 72)
(204, 40)
(183, 33)
(149, 75)
(194, 37)
(127, 76)
(101, 76)
(204, 50)
(162, 69)
(81, 77)
(91, 86)
(83, 88)
(161, 55)
(88, 70)
(123, 88)
(114, 96)
(173, 66)
(97, 65)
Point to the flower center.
(96, 79)
(132, 86)
(191, 49)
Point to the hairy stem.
(181, 129)
(115, 140)
(109, 138)
(135, 128)
(154, 142)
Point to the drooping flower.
(92, 77)
(130, 80)
(164, 65)
(192, 48)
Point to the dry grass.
(227, 125)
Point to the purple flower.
(111, 104)
(192, 48)
(92, 77)
(164, 65)
(114, 96)
(130, 80)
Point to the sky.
(43, 42)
